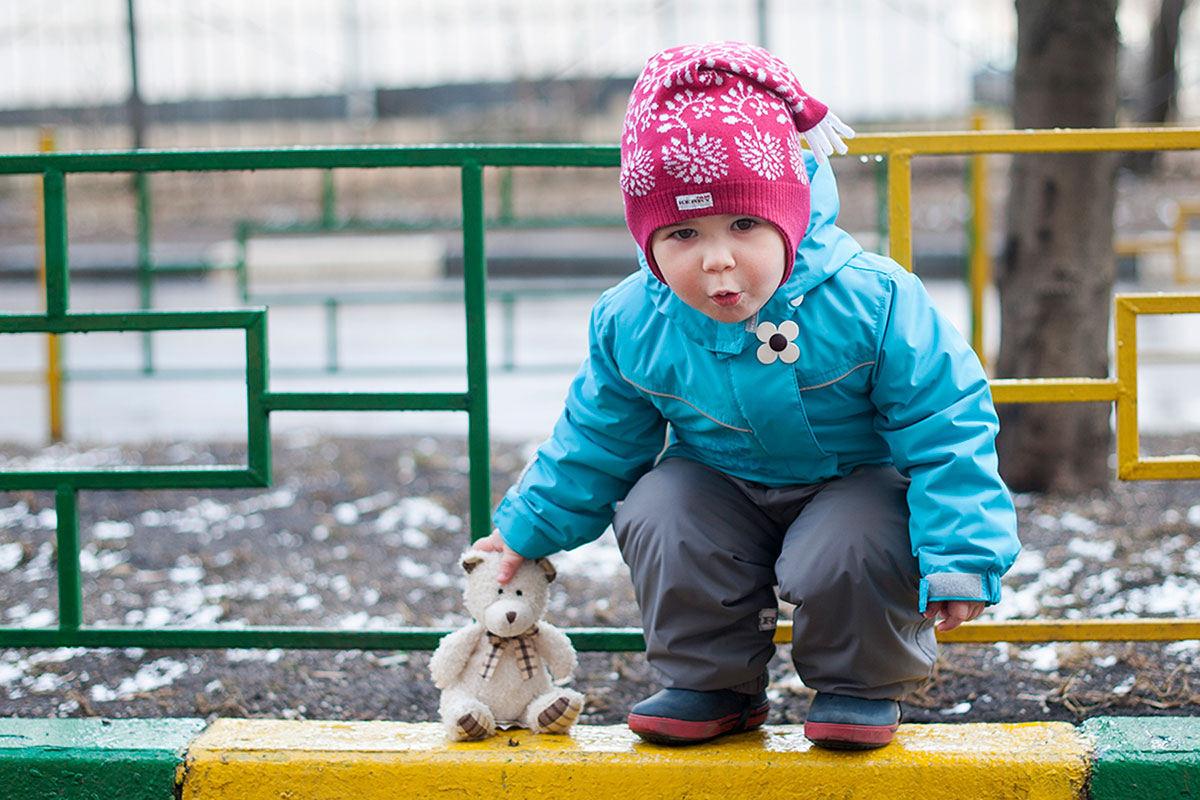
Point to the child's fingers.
(509, 562)
(955, 612)
(490, 543)
(935, 609)
(510, 559)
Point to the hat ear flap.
(471, 561)
(548, 569)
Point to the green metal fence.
(470, 160)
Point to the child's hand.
(953, 612)
(509, 559)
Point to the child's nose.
(717, 258)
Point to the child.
(826, 430)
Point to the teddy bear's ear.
(471, 561)
(548, 568)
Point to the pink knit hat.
(715, 129)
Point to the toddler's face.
(724, 265)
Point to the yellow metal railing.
(53, 373)
(1121, 389)
(1169, 242)
(979, 256)
(900, 149)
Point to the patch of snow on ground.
(345, 513)
(362, 621)
(91, 562)
(417, 513)
(1191, 559)
(11, 673)
(280, 498)
(46, 682)
(107, 530)
(1029, 562)
(150, 677)
(1098, 551)
(184, 572)
(1104, 584)
(10, 556)
(1077, 524)
(24, 618)
(369, 505)
(414, 570)
(1125, 686)
(66, 457)
(238, 655)
(309, 602)
(1175, 596)
(1029, 600)
(600, 559)
(1045, 521)
(1189, 648)
(10, 516)
(1024, 603)
(1043, 658)
(41, 566)
(788, 682)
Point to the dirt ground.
(366, 533)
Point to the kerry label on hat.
(691, 202)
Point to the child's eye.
(744, 224)
(683, 233)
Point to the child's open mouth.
(727, 299)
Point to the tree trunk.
(1056, 274)
(1156, 98)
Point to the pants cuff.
(752, 686)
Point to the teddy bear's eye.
(519, 593)
(499, 591)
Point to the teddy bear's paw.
(561, 714)
(474, 725)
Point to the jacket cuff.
(520, 535)
(959, 586)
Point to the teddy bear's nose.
(511, 616)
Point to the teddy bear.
(498, 672)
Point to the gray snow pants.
(706, 552)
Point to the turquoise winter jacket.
(881, 378)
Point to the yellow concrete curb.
(251, 759)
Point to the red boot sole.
(665, 730)
(836, 736)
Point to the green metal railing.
(261, 402)
(471, 160)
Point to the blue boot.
(839, 722)
(684, 716)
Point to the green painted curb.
(1150, 757)
(90, 759)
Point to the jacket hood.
(823, 251)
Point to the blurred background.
(118, 74)
(225, 73)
